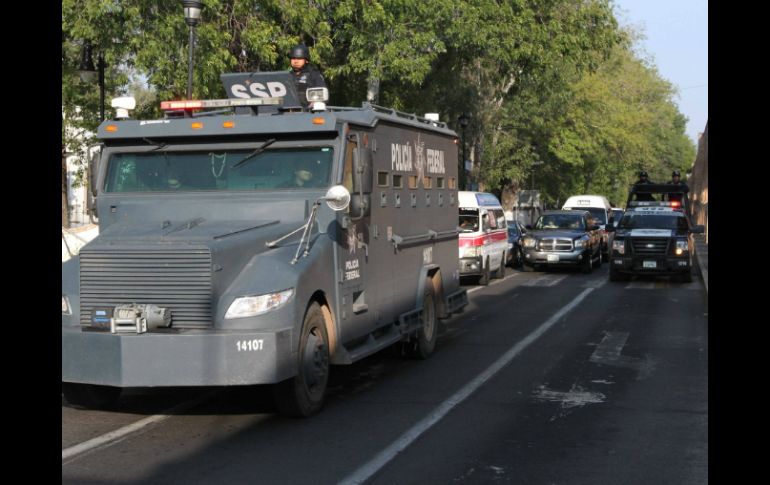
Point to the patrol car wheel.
(686, 277)
(425, 342)
(484, 278)
(303, 395)
(90, 396)
(500, 273)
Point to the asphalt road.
(552, 378)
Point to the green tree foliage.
(541, 80)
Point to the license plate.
(649, 264)
(552, 257)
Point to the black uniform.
(676, 196)
(307, 77)
(644, 196)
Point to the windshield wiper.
(158, 145)
(253, 154)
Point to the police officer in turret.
(643, 179)
(676, 179)
(304, 75)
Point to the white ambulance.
(483, 236)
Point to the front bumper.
(556, 258)
(663, 265)
(471, 266)
(190, 358)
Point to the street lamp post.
(87, 72)
(463, 120)
(192, 15)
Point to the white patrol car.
(653, 238)
(483, 237)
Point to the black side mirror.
(609, 228)
(596, 227)
(698, 229)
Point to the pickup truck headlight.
(470, 251)
(529, 242)
(580, 243)
(249, 306)
(65, 305)
(619, 245)
(681, 247)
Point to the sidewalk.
(702, 254)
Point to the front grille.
(178, 279)
(556, 244)
(650, 246)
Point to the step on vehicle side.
(260, 246)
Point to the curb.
(702, 254)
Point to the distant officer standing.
(676, 179)
(643, 179)
(304, 75)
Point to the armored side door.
(358, 299)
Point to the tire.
(518, 261)
(484, 278)
(500, 273)
(588, 265)
(422, 346)
(90, 396)
(303, 395)
(617, 276)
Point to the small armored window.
(413, 181)
(439, 182)
(452, 183)
(427, 182)
(382, 179)
(397, 181)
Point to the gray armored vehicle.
(260, 244)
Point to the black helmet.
(299, 51)
(675, 173)
(642, 174)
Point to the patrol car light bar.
(646, 203)
(218, 103)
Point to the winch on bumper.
(186, 358)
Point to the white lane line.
(382, 458)
(109, 439)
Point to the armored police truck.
(259, 244)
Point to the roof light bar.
(218, 103)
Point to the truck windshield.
(273, 169)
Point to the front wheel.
(425, 342)
(90, 396)
(303, 395)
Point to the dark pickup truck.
(563, 238)
(653, 238)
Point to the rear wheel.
(500, 273)
(425, 341)
(484, 278)
(303, 395)
(90, 396)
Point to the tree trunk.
(65, 212)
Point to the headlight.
(470, 251)
(249, 306)
(681, 247)
(619, 245)
(65, 306)
(580, 243)
(529, 242)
